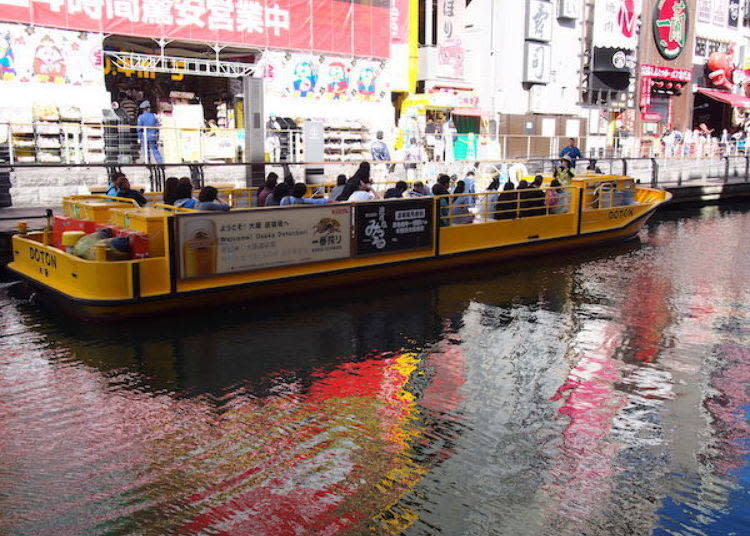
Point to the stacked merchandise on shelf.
(289, 136)
(22, 142)
(70, 126)
(93, 140)
(347, 141)
(47, 137)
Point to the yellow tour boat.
(175, 259)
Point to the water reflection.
(596, 393)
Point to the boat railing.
(484, 207)
(611, 194)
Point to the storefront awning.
(738, 101)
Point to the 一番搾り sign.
(670, 27)
(389, 226)
(348, 27)
(220, 243)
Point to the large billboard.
(349, 27)
(220, 243)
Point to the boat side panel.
(71, 275)
(471, 237)
(225, 296)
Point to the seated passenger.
(298, 197)
(208, 199)
(397, 191)
(593, 168)
(537, 197)
(363, 193)
(489, 199)
(419, 190)
(184, 194)
(280, 191)
(114, 185)
(125, 191)
(460, 214)
(526, 197)
(564, 172)
(441, 189)
(267, 189)
(118, 247)
(507, 203)
(469, 185)
(557, 199)
(170, 190)
(340, 184)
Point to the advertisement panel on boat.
(391, 226)
(220, 243)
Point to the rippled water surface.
(599, 393)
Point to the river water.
(598, 393)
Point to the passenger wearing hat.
(148, 134)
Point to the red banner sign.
(666, 73)
(349, 27)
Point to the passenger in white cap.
(148, 134)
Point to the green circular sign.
(671, 25)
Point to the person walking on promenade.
(380, 152)
(571, 151)
(148, 134)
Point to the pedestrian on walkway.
(571, 151)
(380, 152)
(148, 134)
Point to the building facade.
(721, 56)
(526, 59)
(665, 64)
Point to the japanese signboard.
(349, 27)
(666, 73)
(220, 243)
(399, 21)
(615, 24)
(670, 27)
(539, 16)
(537, 63)
(48, 56)
(450, 47)
(390, 226)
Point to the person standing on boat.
(572, 151)
(148, 134)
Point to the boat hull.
(176, 302)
